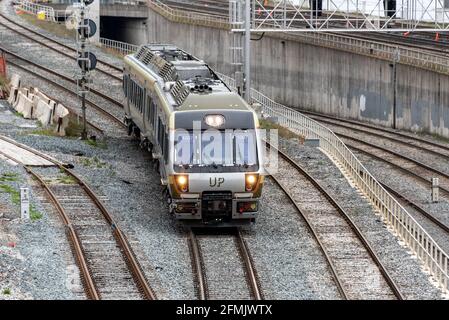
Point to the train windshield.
(223, 150)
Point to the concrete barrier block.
(27, 108)
(35, 98)
(61, 118)
(53, 105)
(43, 113)
(18, 106)
(24, 91)
(43, 97)
(15, 81)
(12, 96)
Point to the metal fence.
(404, 226)
(34, 8)
(184, 16)
(118, 46)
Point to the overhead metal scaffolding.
(343, 15)
(294, 16)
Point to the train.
(204, 138)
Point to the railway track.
(420, 171)
(103, 67)
(391, 134)
(348, 253)
(218, 274)
(427, 156)
(405, 163)
(108, 266)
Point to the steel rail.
(198, 266)
(314, 233)
(132, 262)
(111, 66)
(379, 135)
(89, 284)
(420, 164)
(245, 257)
(249, 266)
(418, 208)
(391, 283)
(370, 126)
(405, 170)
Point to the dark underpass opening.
(122, 29)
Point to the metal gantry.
(297, 16)
(345, 15)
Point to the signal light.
(87, 61)
(87, 29)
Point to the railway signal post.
(86, 60)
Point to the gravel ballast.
(405, 270)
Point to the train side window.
(153, 112)
(166, 147)
(137, 97)
(130, 90)
(140, 99)
(159, 132)
(148, 105)
(133, 93)
(124, 84)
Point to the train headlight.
(214, 120)
(182, 182)
(251, 181)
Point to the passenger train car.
(203, 136)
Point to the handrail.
(404, 226)
(184, 16)
(34, 8)
(123, 48)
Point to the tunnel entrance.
(123, 29)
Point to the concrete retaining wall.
(317, 78)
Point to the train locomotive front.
(204, 136)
